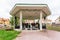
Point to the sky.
(7, 5)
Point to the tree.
(16, 21)
(12, 21)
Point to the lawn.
(8, 35)
(56, 28)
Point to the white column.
(40, 20)
(20, 20)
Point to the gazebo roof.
(30, 9)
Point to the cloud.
(7, 5)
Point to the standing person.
(44, 26)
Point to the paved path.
(37, 35)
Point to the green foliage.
(12, 20)
(17, 21)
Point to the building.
(4, 21)
(57, 21)
(30, 12)
(48, 21)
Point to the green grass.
(8, 35)
(56, 28)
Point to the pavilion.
(30, 11)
